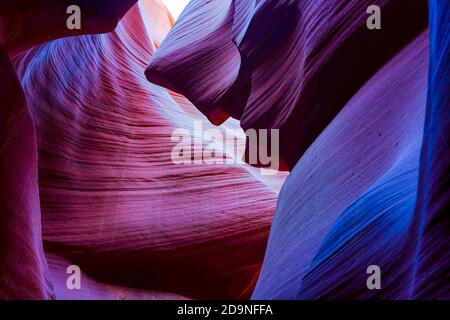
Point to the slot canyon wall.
(87, 178)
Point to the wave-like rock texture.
(24, 23)
(92, 289)
(433, 204)
(289, 65)
(350, 104)
(23, 268)
(86, 170)
(349, 202)
(112, 201)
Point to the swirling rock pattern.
(368, 180)
(350, 104)
(87, 178)
(433, 205)
(267, 62)
(111, 199)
